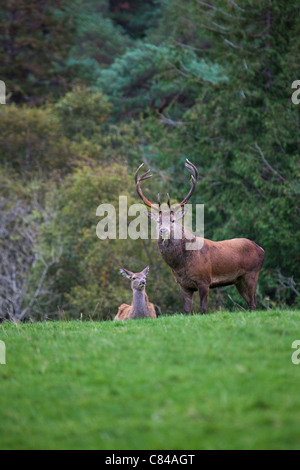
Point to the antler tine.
(144, 177)
(169, 201)
(137, 172)
(194, 171)
(192, 168)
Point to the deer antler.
(138, 179)
(146, 175)
(194, 171)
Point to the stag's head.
(168, 220)
(138, 280)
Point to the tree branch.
(268, 164)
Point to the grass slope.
(184, 382)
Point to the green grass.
(223, 381)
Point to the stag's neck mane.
(173, 250)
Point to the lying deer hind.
(229, 262)
(140, 307)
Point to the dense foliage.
(97, 87)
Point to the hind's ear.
(126, 273)
(146, 271)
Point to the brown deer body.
(230, 262)
(141, 307)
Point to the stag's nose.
(143, 283)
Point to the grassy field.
(223, 381)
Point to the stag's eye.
(134, 278)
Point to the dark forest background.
(96, 87)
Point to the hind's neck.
(139, 305)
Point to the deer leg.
(251, 282)
(246, 286)
(203, 294)
(187, 300)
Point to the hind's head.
(138, 280)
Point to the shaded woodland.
(94, 89)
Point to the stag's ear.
(152, 215)
(126, 273)
(180, 215)
(146, 271)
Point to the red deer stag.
(230, 262)
(141, 307)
